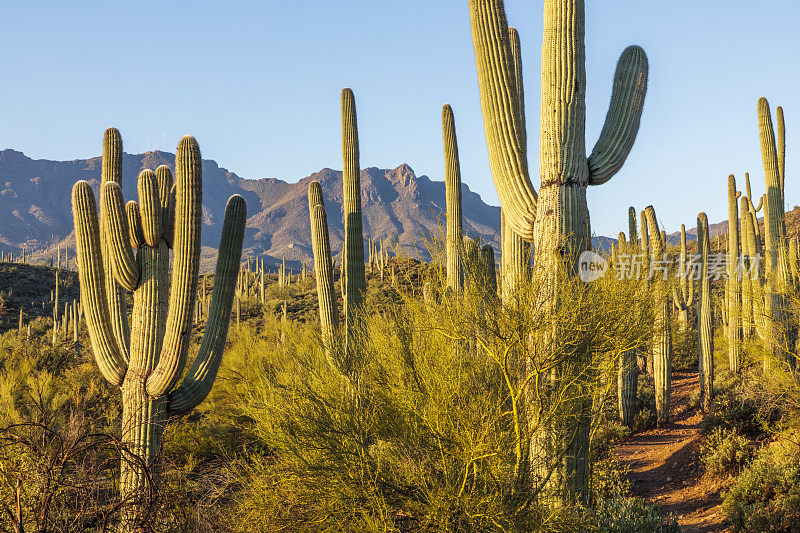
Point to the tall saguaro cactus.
(705, 322)
(148, 365)
(747, 279)
(323, 267)
(354, 283)
(662, 334)
(452, 183)
(778, 278)
(733, 286)
(556, 219)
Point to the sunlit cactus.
(149, 361)
(323, 268)
(452, 183)
(733, 298)
(662, 334)
(683, 294)
(778, 280)
(705, 321)
(747, 280)
(560, 232)
(354, 283)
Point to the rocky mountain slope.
(402, 208)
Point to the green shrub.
(766, 497)
(724, 452)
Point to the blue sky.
(258, 84)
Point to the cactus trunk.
(452, 172)
(148, 364)
(662, 334)
(733, 285)
(705, 322)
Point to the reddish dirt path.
(663, 467)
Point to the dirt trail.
(663, 467)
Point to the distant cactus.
(705, 321)
(733, 296)
(148, 364)
(683, 294)
(747, 281)
(662, 334)
(452, 182)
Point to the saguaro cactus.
(778, 279)
(747, 281)
(354, 283)
(705, 322)
(148, 365)
(683, 294)
(452, 183)
(733, 296)
(561, 231)
(323, 268)
(662, 334)
(633, 238)
(627, 383)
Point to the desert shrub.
(766, 497)
(419, 425)
(724, 452)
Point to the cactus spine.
(323, 268)
(777, 264)
(705, 322)
(561, 232)
(733, 286)
(662, 335)
(353, 272)
(149, 364)
(452, 183)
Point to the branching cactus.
(323, 267)
(354, 283)
(148, 364)
(452, 182)
(683, 294)
(561, 230)
(662, 334)
(705, 320)
(733, 296)
(778, 279)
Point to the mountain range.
(398, 206)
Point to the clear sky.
(258, 84)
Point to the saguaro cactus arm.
(496, 77)
(135, 233)
(623, 118)
(781, 145)
(123, 263)
(110, 358)
(150, 207)
(185, 267)
(200, 378)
